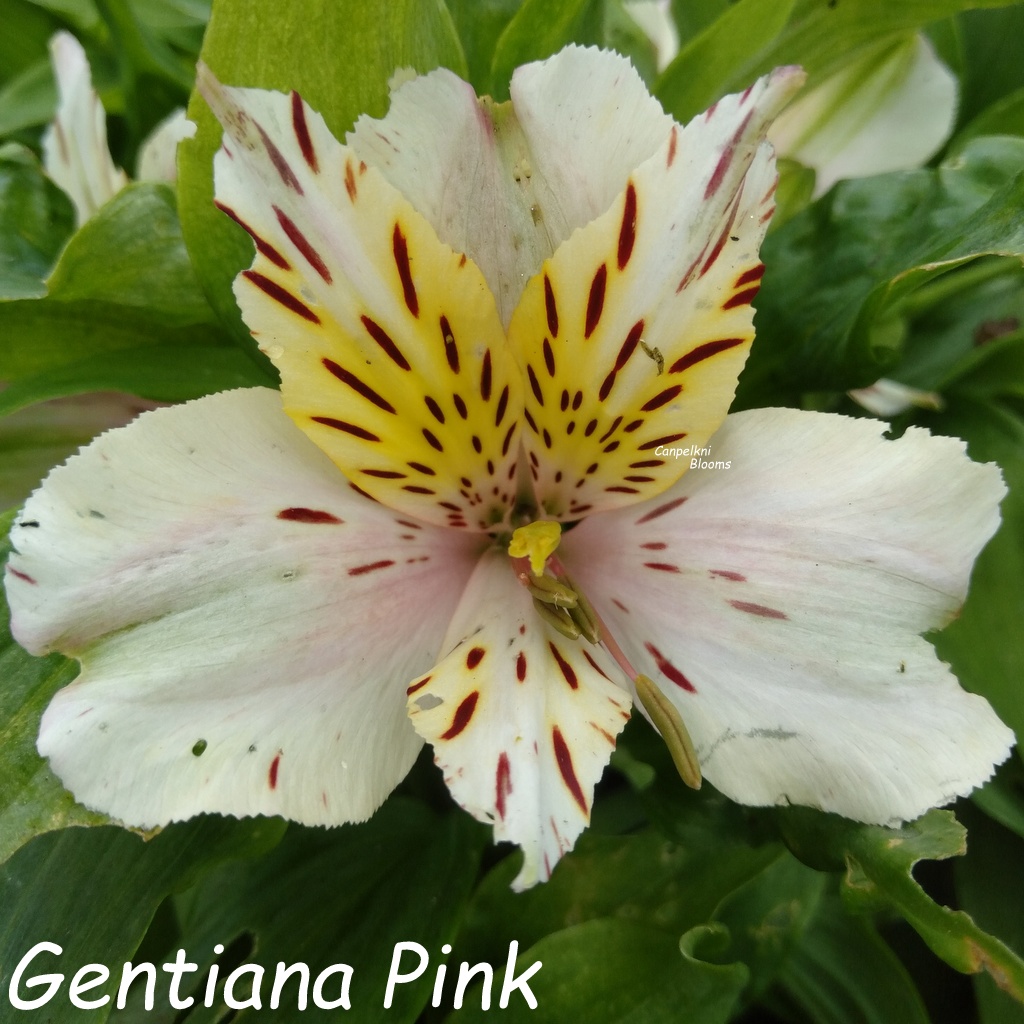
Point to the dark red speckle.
(463, 713)
(502, 784)
(669, 670)
(758, 609)
(307, 515)
(274, 766)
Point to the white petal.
(889, 110)
(247, 623)
(75, 152)
(522, 720)
(635, 332)
(391, 354)
(508, 186)
(779, 602)
(159, 152)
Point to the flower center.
(562, 604)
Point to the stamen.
(552, 591)
(669, 723)
(663, 712)
(557, 617)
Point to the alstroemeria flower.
(490, 319)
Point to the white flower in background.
(890, 109)
(888, 398)
(75, 151)
(655, 19)
(491, 320)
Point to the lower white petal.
(246, 622)
(522, 720)
(779, 599)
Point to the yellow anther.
(670, 724)
(536, 541)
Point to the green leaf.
(1002, 797)
(842, 972)
(664, 883)
(539, 29)
(32, 800)
(338, 56)
(479, 24)
(711, 64)
(124, 311)
(822, 36)
(94, 892)
(878, 864)
(976, 645)
(28, 99)
(27, 29)
(619, 972)
(36, 219)
(991, 64)
(1004, 117)
(829, 314)
(985, 884)
(346, 895)
(767, 916)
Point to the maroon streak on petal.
(21, 575)
(627, 232)
(303, 244)
(669, 670)
(307, 515)
(564, 760)
(485, 377)
(659, 441)
(418, 686)
(662, 398)
(595, 301)
(753, 274)
(280, 295)
(662, 566)
(262, 247)
(743, 298)
(502, 784)
(702, 352)
(357, 385)
(463, 713)
(535, 385)
(521, 666)
(348, 428)
(475, 656)
(451, 350)
(671, 147)
(350, 180)
(728, 574)
(383, 339)
(661, 510)
(597, 668)
(550, 307)
(274, 766)
(630, 344)
(302, 133)
(400, 248)
(564, 666)
(758, 609)
(362, 570)
(549, 358)
(280, 164)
